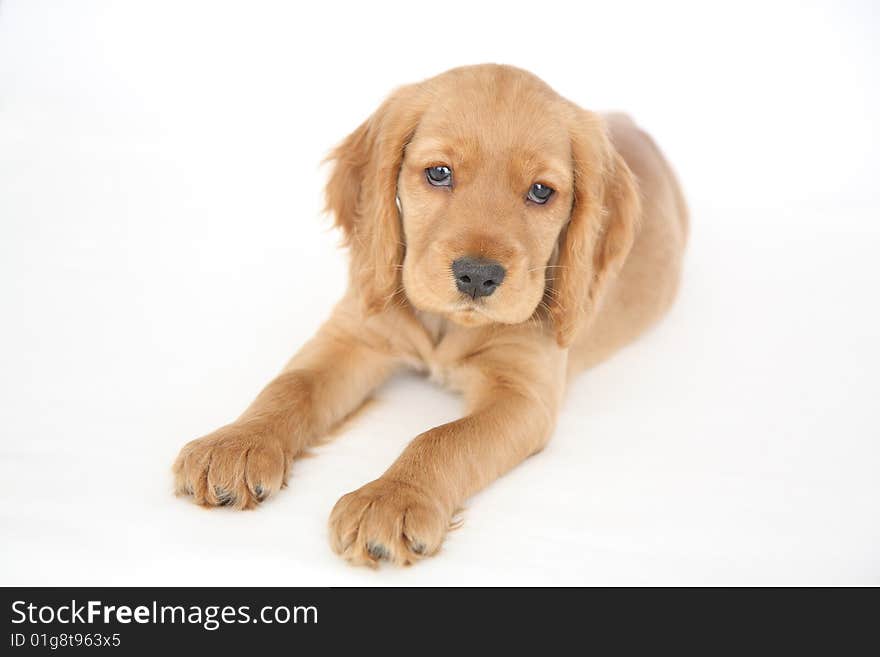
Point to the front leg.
(244, 462)
(513, 391)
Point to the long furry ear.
(362, 195)
(601, 230)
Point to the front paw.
(388, 520)
(237, 465)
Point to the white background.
(163, 253)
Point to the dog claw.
(377, 551)
(224, 497)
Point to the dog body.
(502, 240)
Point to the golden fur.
(586, 273)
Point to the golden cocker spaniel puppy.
(502, 239)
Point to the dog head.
(483, 196)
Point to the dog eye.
(440, 176)
(540, 193)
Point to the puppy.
(502, 239)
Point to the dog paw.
(235, 466)
(387, 520)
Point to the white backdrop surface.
(160, 206)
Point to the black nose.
(477, 277)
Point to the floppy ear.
(600, 231)
(362, 195)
